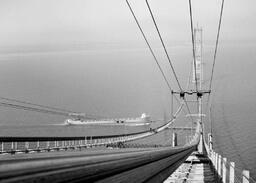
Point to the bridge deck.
(196, 169)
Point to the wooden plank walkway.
(196, 169)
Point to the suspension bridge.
(115, 158)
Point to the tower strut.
(199, 93)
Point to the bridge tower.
(198, 57)
(198, 73)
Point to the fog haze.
(89, 56)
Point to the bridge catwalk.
(106, 158)
(98, 165)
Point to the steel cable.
(165, 50)
(38, 105)
(28, 108)
(216, 44)
(151, 50)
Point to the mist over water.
(234, 106)
(126, 83)
(88, 56)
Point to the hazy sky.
(70, 23)
(90, 56)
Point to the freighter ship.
(140, 121)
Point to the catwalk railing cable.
(162, 42)
(38, 105)
(213, 65)
(216, 44)
(46, 111)
(15, 106)
(151, 50)
(215, 50)
(64, 112)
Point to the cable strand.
(161, 39)
(150, 48)
(216, 45)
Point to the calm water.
(126, 83)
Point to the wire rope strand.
(38, 105)
(162, 42)
(165, 50)
(209, 99)
(150, 48)
(33, 109)
(216, 45)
